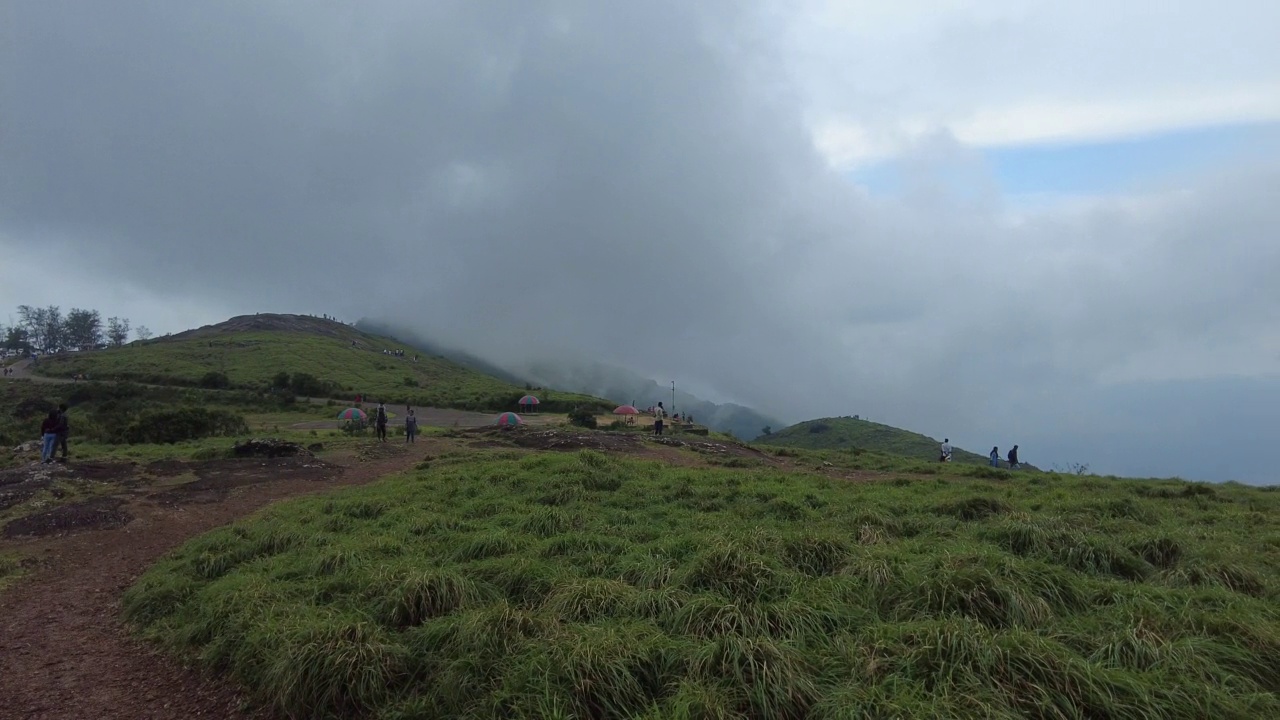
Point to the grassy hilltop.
(513, 584)
(846, 433)
(340, 361)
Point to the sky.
(1007, 221)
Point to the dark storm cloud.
(627, 182)
(568, 175)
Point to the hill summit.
(311, 356)
(274, 322)
(849, 433)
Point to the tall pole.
(673, 397)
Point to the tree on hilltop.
(117, 331)
(83, 329)
(143, 332)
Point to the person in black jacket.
(1013, 458)
(380, 422)
(64, 428)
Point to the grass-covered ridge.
(585, 585)
(846, 433)
(340, 361)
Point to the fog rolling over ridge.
(920, 215)
(618, 384)
(614, 382)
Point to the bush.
(309, 385)
(214, 380)
(817, 428)
(34, 408)
(171, 426)
(583, 417)
(280, 381)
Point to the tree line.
(49, 330)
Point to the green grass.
(10, 569)
(589, 586)
(846, 433)
(250, 360)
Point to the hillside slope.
(252, 350)
(848, 433)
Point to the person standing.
(995, 456)
(48, 436)
(1013, 458)
(64, 428)
(380, 421)
(658, 412)
(410, 428)
(946, 450)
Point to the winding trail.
(64, 651)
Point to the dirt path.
(64, 652)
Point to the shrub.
(280, 381)
(171, 426)
(309, 386)
(975, 508)
(817, 428)
(583, 417)
(34, 408)
(214, 380)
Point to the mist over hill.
(633, 388)
(619, 384)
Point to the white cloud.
(879, 76)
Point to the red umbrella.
(625, 410)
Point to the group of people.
(410, 424)
(1013, 457)
(8, 371)
(53, 433)
(945, 455)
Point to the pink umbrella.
(625, 410)
(509, 419)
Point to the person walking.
(64, 428)
(48, 436)
(946, 450)
(1013, 458)
(658, 412)
(380, 421)
(410, 428)
(995, 456)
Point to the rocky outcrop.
(269, 448)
